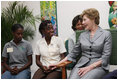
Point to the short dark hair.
(16, 27)
(75, 21)
(43, 25)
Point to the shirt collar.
(44, 41)
(22, 41)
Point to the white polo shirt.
(50, 54)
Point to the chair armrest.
(64, 75)
(63, 66)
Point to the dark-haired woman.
(76, 25)
(49, 50)
(17, 56)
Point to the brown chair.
(64, 76)
(63, 66)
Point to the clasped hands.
(46, 69)
(49, 68)
(15, 70)
(81, 71)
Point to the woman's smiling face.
(49, 31)
(87, 23)
(79, 26)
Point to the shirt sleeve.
(61, 46)
(4, 52)
(29, 49)
(106, 51)
(37, 49)
(70, 44)
(75, 51)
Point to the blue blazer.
(92, 49)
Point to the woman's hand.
(46, 69)
(15, 70)
(84, 70)
(12, 71)
(52, 66)
(64, 63)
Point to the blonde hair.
(92, 13)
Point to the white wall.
(67, 10)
